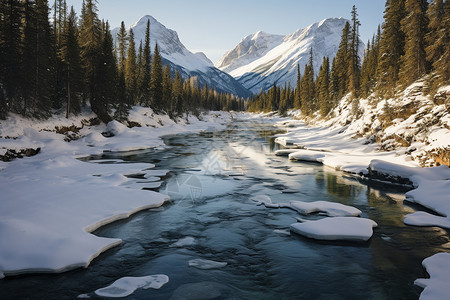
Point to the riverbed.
(211, 180)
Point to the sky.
(216, 26)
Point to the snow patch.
(126, 286)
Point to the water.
(211, 212)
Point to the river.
(211, 216)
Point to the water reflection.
(223, 224)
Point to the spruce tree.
(122, 40)
(342, 63)
(167, 90)
(323, 86)
(437, 40)
(10, 49)
(297, 101)
(354, 67)
(391, 48)
(146, 69)
(414, 25)
(131, 69)
(72, 71)
(177, 94)
(156, 80)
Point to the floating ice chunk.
(421, 218)
(206, 264)
(281, 231)
(285, 141)
(331, 209)
(83, 296)
(126, 286)
(153, 173)
(285, 152)
(339, 228)
(437, 286)
(187, 241)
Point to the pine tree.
(341, 66)
(297, 101)
(70, 57)
(146, 69)
(323, 86)
(122, 40)
(391, 48)
(156, 80)
(437, 41)
(44, 88)
(90, 39)
(354, 67)
(10, 49)
(414, 25)
(106, 79)
(167, 90)
(334, 84)
(131, 69)
(177, 95)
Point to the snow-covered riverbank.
(52, 201)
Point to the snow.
(437, 286)
(126, 286)
(52, 202)
(338, 228)
(261, 59)
(331, 209)
(206, 264)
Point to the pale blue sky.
(214, 26)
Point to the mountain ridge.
(279, 63)
(180, 58)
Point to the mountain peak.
(261, 59)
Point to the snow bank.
(52, 202)
(126, 286)
(437, 286)
(331, 209)
(339, 228)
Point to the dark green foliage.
(156, 81)
(414, 25)
(131, 70)
(167, 90)
(146, 69)
(323, 87)
(297, 101)
(354, 63)
(391, 48)
(71, 68)
(122, 41)
(341, 65)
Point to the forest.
(47, 66)
(51, 60)
(411, 44)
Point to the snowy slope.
(277, 59)
(181, 59)
(249, 49)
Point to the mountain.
(174, 53)
(262, 59)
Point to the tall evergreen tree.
(156, 80)
(437, 40)
(10, 49)
(90, 39)
(131, 69)
(354, 67)
(343, 61)
(146, 69)
(323, 87)
(297, 101)
(122, 40)
(391, 48)
(177, 95)
(415, 26)
(72, 71)
(167, 90)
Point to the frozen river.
(214, 242)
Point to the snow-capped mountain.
(249, 49)
(179, 58)
(262, 59)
